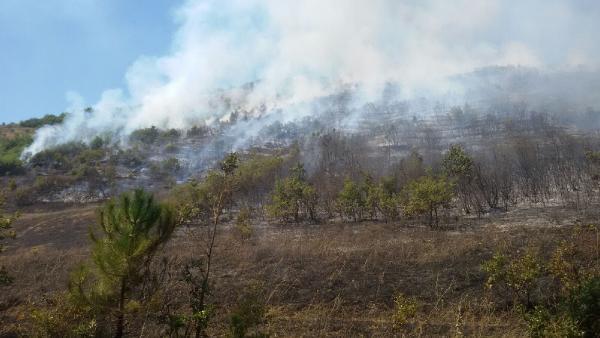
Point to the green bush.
(60, 157)
(60, 317)
(10, 153)
(248, 314)
(243, 222)
(48, 119)
(426, 195)
(293, 198)
(583, 306)
(405, 309)
(146, 136)
(351, 201)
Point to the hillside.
(465, 223)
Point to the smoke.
(276, 57)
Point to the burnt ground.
(334, 279)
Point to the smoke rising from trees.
(278, 58)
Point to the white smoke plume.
(269, 56)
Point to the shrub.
(583, 306)
(10, 154)
(146, 136)
(165, 168)
(243, 222)
(293, 198)
(48, 119)
(248, 314)
(60, 157)
(519, 275)
(60, 317)
(405, 309)
(427, 195)
(351, 201)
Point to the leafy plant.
(293, 198)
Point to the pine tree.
(131, 229)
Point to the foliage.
(61, 317)
(243, 222)
(97, 143)
(146, 136)
(293, 198)
(569, 309)
(542, 323)
(60, 157)
(131, 157)
(352, 200)
(149, 136)
(48, 119)
(198, 131)
(165, 168)
(583, 306)
(202, 204)
(248, 314)
(405, 309)
(457, 163)
(10, 154)
(519, 275)
(427, 195)
(131, 228)
(256, 175)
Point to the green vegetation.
(152, 135)
(10, 154)
(352, 201)
(202, 204)
(132, 228)
(293, 198)
(62, 157)
(485, 277)
(427, 195)
(48, 119)
(248, 314)
(405, 309)
(556, 296)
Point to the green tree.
(293, 197)
(427, 195)
(352, 201)
(388, 204)
(130, 230)
(458, 166)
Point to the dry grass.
(328, 280)
(10, 132)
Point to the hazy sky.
(161, 60)
(51, 47)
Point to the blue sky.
(51, 47)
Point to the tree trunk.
(121, 315)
